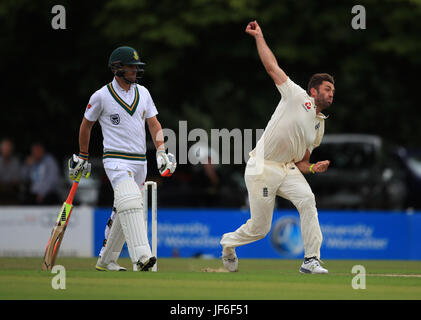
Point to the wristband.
(161, 147)
(83, 155)
(311, 169)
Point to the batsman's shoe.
(312, 265)
(230, 262)
(112, 266)
(145, 263)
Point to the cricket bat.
(56, 237)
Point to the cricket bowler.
(122, 108)
(281, 157)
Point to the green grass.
(182, 279)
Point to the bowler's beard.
(322, 102)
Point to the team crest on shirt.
(115, 119)
(307, 106)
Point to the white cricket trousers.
(265, 180)
(117, 171)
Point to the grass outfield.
(186, 279)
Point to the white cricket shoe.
(230, 262)
(112, 266)
(312, 265)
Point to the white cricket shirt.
(293, 128)
(122, 117)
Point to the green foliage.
(202, 67)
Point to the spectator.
(201, 155)
(41, 173)
(10, 171)
(206, 181)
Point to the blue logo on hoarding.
(286, 237)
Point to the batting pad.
(115, 241)
(128, 202)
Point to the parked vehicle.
(410, 161)
(363, 174)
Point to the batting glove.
(78, 163)
(166, 163)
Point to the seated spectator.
(10, 173)
(41, 173)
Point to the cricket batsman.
(281, 157)
(123, 107)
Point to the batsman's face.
(324, 96)
(131, 71)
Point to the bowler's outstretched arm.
(266, 56)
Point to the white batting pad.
(128, 202)
(115, 242)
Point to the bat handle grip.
(72, 192)
(75, 184)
